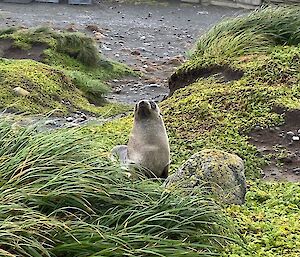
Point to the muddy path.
(152, 39)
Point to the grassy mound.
(60, 197)
(70, 57)
(212, 112)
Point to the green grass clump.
(60, 197)
(252, 33)
(75, 45)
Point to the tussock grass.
(79, 46)
(94, 89)
(60, 197)
(252, 33)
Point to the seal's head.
(145, 109)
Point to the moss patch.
(49, 89)
(269, 221)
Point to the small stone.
(51, 123)
(295, 138)
(142, 38)
(104, 47)
(117, 91)
(135, 52)
(290, 133)
(298, 131)
(296, 170)
(297, 173)
(83, 116)
(273, 173)
(21, 91)
(69, 119)
(93, 27)
(79, 120)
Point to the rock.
(295, 170)
(53, 123)
(295, 138)
(69, 119)
(290, 133)
(223, 173)
(99, 36)
(93, 27)
(104, 47)
(135, 52)
(21, 91)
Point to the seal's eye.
(153, 105)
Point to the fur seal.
(148, 145)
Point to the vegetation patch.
(269, 221)
(61, 197)
(213, 113)
(73, 56)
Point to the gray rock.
(52, 123)
(69, 119)
(222, 172)
(296, 170)
(295, 138)
(290, 133)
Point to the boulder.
(220, 172)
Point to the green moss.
(269, 221)
(49, 89)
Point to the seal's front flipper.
(119, 152)
(165, 172)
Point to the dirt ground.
(151, 38)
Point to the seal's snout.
(143, 103)
(143, 109)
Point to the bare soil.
(224, 73)
(9, 51)
(282, 145)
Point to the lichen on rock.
(220, 172)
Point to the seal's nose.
(143, 103)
